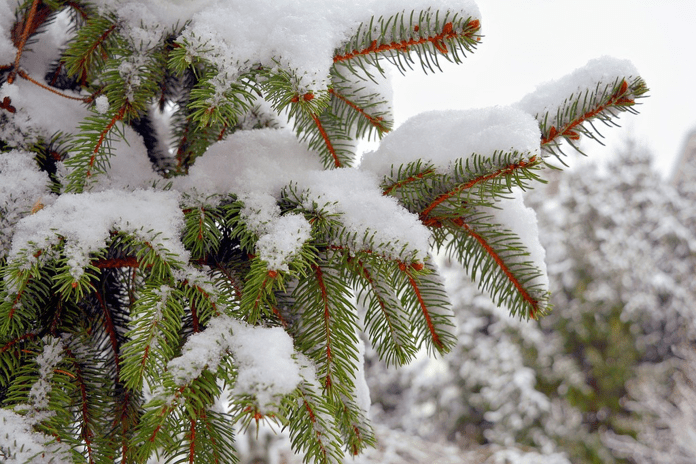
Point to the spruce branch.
(497, 260)
(365, 111)
(386, 322)
(483, 175)
(28, 27)
(579, 112)
(23, 74)
(426, 33)
(311, 426)
(88, 52)
(92, 149)
(328, 329)
(424, 298)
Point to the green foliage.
(128, 309)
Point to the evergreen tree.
(183, 240)
(622, 240)
(608, 376)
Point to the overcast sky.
(532, 41)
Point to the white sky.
(532, 41)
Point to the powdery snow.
(7, 48)
(442, 137)
(301, 36)
(522, 220)
(374, 222)
(263, 356)
(86, 220)
(550, 96)
(23, 186)
(285, 237)
(256, 165)
(27, 446)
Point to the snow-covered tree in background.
(185, 236)
(624, 272)
(609, 375)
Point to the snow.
(7, 48)
(26, 446)
(301, 36)
(373, 221)
(47, 361)
(129, 166)
(549, 97)
(285, 237)
(263, 160)
(101, 104)
(266, 160)
(86, 220)
(522, 220)
(280, 237)
(442, 137)
(42, 111)
(22, 186)
(264, 358)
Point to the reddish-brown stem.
(69, 374)
(259, 295)
(423, 306)
(181, 149)
(28, 28)
(200, 224)
(327, 141)
(500, 172)
(26, 76)
(568, 130)
(77, 7)
(111, 330)
(192, 441)
(86, 433)
(194, 318)
(280, 317)
(382, 305)
(533, 303)
(437, 41)
(327, 323)
(202, 416)
(13, 342)
(376, 122)
(408, 181)
(230, 278)
(166, 409)
(91, 50)
(111, 263)
(117, 117)
(313, 419)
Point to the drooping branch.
(327, 323)
(329, 146)
(23, 74)
(533, 302)
(29, 27)
(423, 306)
(376, 122)
(102, 136)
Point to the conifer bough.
(187, 239)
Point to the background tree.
(176, 261)
(607, 376)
